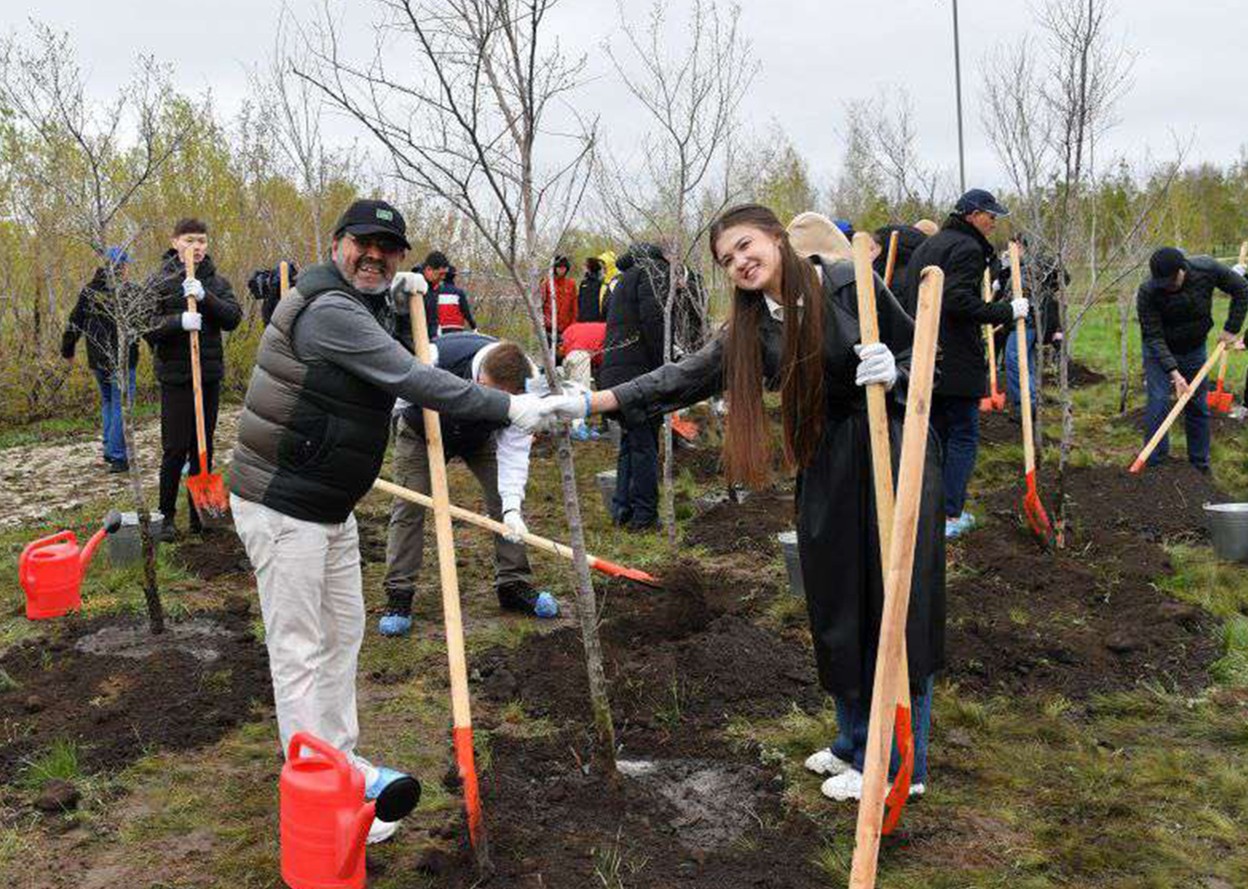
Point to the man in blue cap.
(94, 316)
(1175, 308)
(962, 251)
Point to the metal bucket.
(606, 487)
(1228, 526)
(792, 562)
(125, 546)
(614, 432)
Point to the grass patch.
(58, 763)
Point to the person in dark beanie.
(265, 286)
(93, 319)
(589, 295)
(961, 250)
(311, 439)
(169, 337)
(1175, 308)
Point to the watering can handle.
(23, 572)
(312, 742)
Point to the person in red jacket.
(564, 297)
(581, 348)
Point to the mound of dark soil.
(116, 708)
(749, 526)
(216, 554)
(722, 825)
(1079, 375)
(679, 662)
(1087, 618)
(701, 462)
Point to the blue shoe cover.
(395, 624)
(546, 605)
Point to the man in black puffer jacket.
(1175, 308)
(634, 346)
(170, 339)
(962, 251)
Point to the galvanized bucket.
(125, 546)
(792, 562)
(1228, 526)
(606, 487)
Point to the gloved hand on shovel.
(876, 365)
(514, 520)
(192, 288)
(192, 321)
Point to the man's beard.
(349, 274)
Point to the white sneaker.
(825, 762)
(848, 785)
(380, 831)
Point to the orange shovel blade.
(896, 799)
(1033, 509)
(986, 405)
(208, 494)
(613, 570)
(998, 400)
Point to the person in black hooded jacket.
(908, 240)
(170, 340)
(634, 346)
(91, 318)
(962, 251)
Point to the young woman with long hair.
(794, 327)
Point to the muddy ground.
(748, 526)
(1087, 618)
(181, 694)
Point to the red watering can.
(50, 570)
(325, 818)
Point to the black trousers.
(178, 441)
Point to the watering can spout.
(112, 522)
(352, 835)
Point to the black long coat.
(171, 345)
(836, 527)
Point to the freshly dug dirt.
(701, 462)
(690, 808)
(748, 526)
(118, 708)
(1079, 375)
(218, 553)
(1088, 618)
(679, 661)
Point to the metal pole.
(957, 78)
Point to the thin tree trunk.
(669, 455)
(1124, 368)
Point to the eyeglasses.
(383, 243)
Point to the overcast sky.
(1189, 76)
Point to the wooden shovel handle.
(1181, 403)
(197, 379)
(1024, 372)
(891, 262)
(988, 335)
(283, 278)
(898, 580)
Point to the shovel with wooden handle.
(461, 711)
(891, 262)
(1033, 509)
(283, 279)
(1181, 403)
(549, 546)
(995, 399)
(882, 474)
(207, 489)
(1222, 399)
(890, 662)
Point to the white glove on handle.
(192, 287)
(515, 524)
(531, 412)
(407, 283)
(571, 405)
(1021, 307)
(876, 365)
(1240, 270)
(192, 321)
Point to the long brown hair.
(747, 440)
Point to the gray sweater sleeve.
(671, 387)
(337, 330)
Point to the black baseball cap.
(373, 218)
(1165, 263)
(979, 199)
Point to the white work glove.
(514, 521)
(1021, 307)
(531, 412)
(191, 287)
(407, 283)
(875, 365)
(572, 405)
(192, 321)
(1240, 269)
